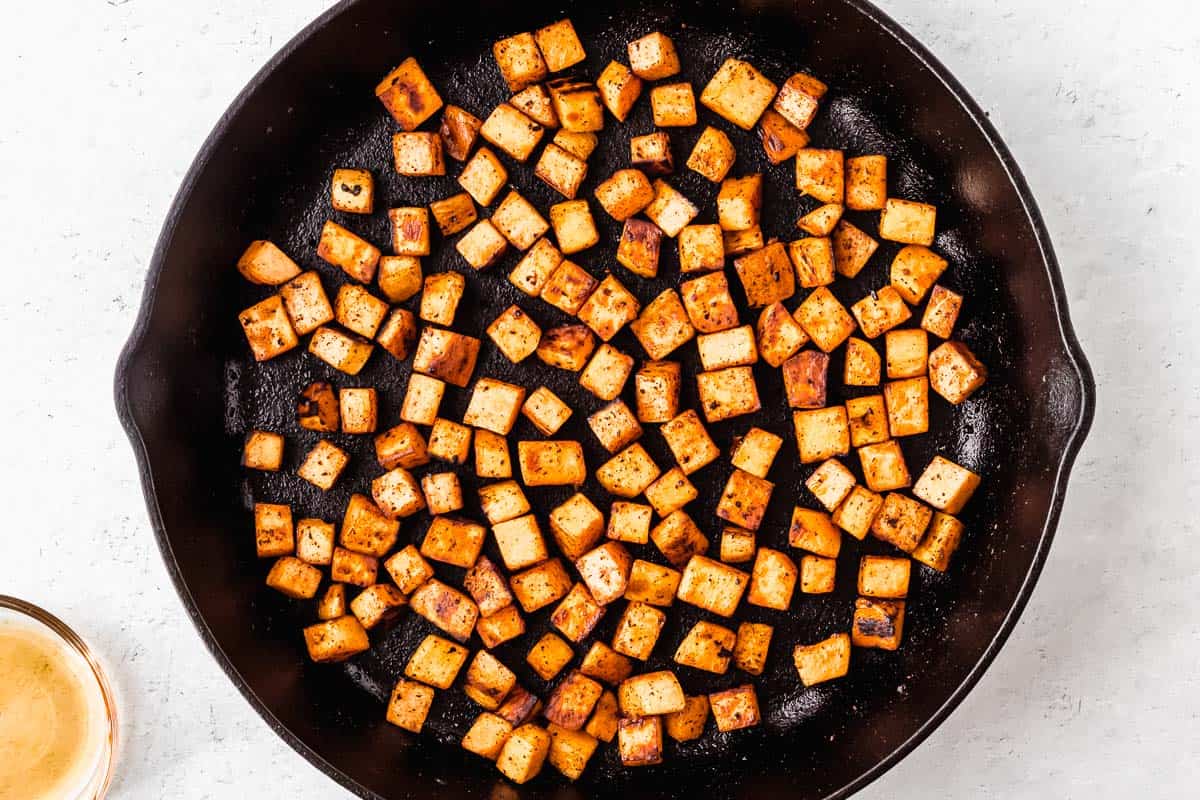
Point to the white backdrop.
(1096, 694)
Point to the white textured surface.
(1095, 695)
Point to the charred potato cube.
(560, 170)
(798, 99)
(756, 451)
(262, 450)
(494, 406)
(638, 630)
(445, 608)
(401, 446)
(767, 275)
(907, 221)
(946, 486)
(652, 153)
(605, 570)
(459, 130)
(734, 709)
(824, 319)
(570, 750)
(708, 647)
(454, 213)
(408, 569)
(353, 568)
(739, 93)
(520, 61)
(901, 522)
(940, 542)
(449, 441)
(739, 202)
(880, 311)
(713, 155)
(625, 193)
(852, 249)
(820, 174)
(523, 754)
(492, 459)
(907, 406)
(673, 105)
(867, 419)
(378, 605)
(824, 660)
(264, 263)
(772, 580)
(400, 277)
(663, 326)
(366, 529)
(638, 249)
(817, 574)
(408, 95)
(629, 522)
(446, 355)
(619, 89)
(483, 176)
(708, 303)
(333, 603)
(572, 701)
(615, 426)
(399, 333)
(457, 542)
(658, 384)
(727, 393)
(780, 139)
(941, 312)
(500, 627)
(577, 525)
(877, 623)
(639, 741)
(576, 616)
(323, 464)
(487, 587)
(690, 443)
(568, 289)
(779, 335)
(653, 56)
(549, 655)
(671, 492)
(520, 542)
(274, 534)
(669, 209)
(418, 154)
(652, 584)
(546, 410)
(954, 372)
(519, 707)
(678, 538)
(268, 330)
(535, 103)
(884, 467)
(750, 651)
(744, 500)
(606, 374)
(538, 587)
(830, 483)
(629, 472)
(511, 131)
(813, 260)
(336, 639)
(577, 104)
(436, 662)
(822, 220)
(488, 681)
(340, 350)
(883, 576)
(306, 303)
(737, 545)
(858, 511)
(604, 663)
(292, 577)
(554, 463)
(487, 735)
(315, 541)
(863, 365)
(711, 585)
(814, 531)
(515, 334)
(805, 377)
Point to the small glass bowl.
(21, 612)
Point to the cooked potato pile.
(637, 552)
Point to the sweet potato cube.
(343, 351)
(315, 541)
(738, 243)
(663, 325)
(521, 542)
(294, 578)
(502, 501)
(866, 182)
(268, 330)
(366, 529)
(483, 177)
(756, 451)
(520, 61)
(954, 372)
(883, 466)
(884, 576)
(400, 277)
(907, 406)
(902, 521)
(580, 144)
(449, 441)
(881, 311)
(629, 522)
(359, 410)
(353, 568)
(446, 355)
(779, 335)
(767, 275)
(739, 202)
(629, 472)
(560, 170)
(605, 570)
(577, 104)
(619, 89)
(487, 735)
(734, 709)
(651, 694)
(780, 139)
(538, 587)
(521, 706)
(863, 364)
(333, 603)
(515, 334)
(306, 303)
(750, 651)
(408, 95)
(830, 483)
(908, 221)
(574, 228)
(440, 297)
(817, 574)
(941, 540)
(946, 486)
(511, 131)
(568, 287)
(652, 584)
(607, 372)
(711, 585)
(744, 500)
(453, 214)
(805, 377)
(408, 569)
(690, 443)
(577, 525)
(570, 750)
(488, 588)
(263, 262)
(609, 308)
(535, 102)
(737, 545)
(672, 105)
(713, 155)
(824, 660)
(671, 492)
(459, 130)
(401, 446)
(262, 450)
(701, 248)
(625, 193)
(813, 260)
(670, 210)
(560, 45)
(852, 249)
(708, 303)
(825, 319)
(603, 724)
(604, 663)
(418, 154)
(867, 419)
(492, 459)
(378, 605)
(678, 538)
(638, 630)
(651, 153)
(820, 174)
(739, 93)
(653, 56)
(488, 681)
(822, 220)
(323, 464)
(457, 542)
(814, 531)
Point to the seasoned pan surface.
(188, 389)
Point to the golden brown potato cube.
(459, 130)
(739, 93)
(487, 735)
(901, 522)
(639, 247)
(500, 627)
(520, 61)
(744, 500)
(494, 406)
(521, 542)
(274, 534)
(560, 45)
(735, 347)
(863, 365)
(907, 406)
(706, 646)
(353, 568)
(907, 353)
(739, 202)
(574, 227)
(483, 176)
(342, 248)
(690, 443)
(866, 182)
(653, 56)
(400, 277)
(805, 377)
(577, 615)
(914, 271)
(604, 663)
(446, 355)
(671, 492)
(409, 705)
(652, 693)
(336, 639)
(629, 472)
(378, 605)
(629, 522)
(824, 660)
(852, 249)
(727, 393)
(577, 525)
(739, 243)
(535, 103)
(651, 153)
(520, 706)
(314, 541)
(306, 303)
(401, 446)
(445, 608)
(701, 248)
(268, 330)
(687, 724)
(657, 384)
(570, 750)
(549, 655)
(877, 623)
(639, 741)
(830, 483)
(515, 334)
(750, 650)
(572, 701)
(883, 466)
(814, 531)
(606, 374)
(366, 529)
(672, 105)
(262, 450)
(868, 421)
(713, 155)
(772, 580)
(625, 193)
(560, 170)
(767, 275)
(342, 351)
(711, 585)
(615, 426)
(799, 98)
(519, 221)
(323, 464)
(780, 139)
(454, 213)
(651, 583)
(858, 511)
(638, 630)
(619, 89)
(511, 131)
(418, 154)
(813, 260)
(578, 144)
(452, 541)
(946, 486)
(756, 451)
(605, 570)
(603, 724)
(708, 303)
(669, 209)
(940, 542)
(546, 411)
(359, 410)
(450, 441)
(568, 288)
(492, 459)
(819, 174)
(678, 538)
(883, 576)
(609, 308)
(908, 221)
(333, 603)
(663, 326)
(408, 569)
(737, 545)
(817, 574)
(880, 311)
(441, 296)
(941, 312)
(555, 463)
(294, 578)
(954, 372)
(734, 709)
(822, 221)
(264, 263)
(487, 587)
(577, 104)
(488, 681)
(538, 587)
(408, 95)
(779, 335)
(825, 319)
(397, 493)
(524, 753)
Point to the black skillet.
(187, 389)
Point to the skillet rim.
(1085, 389)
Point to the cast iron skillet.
(187, 389)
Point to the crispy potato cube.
(688, 723)
(487, 735)
(883, 466)
(629, 472)
(813, 259)
(727, 393)
(653, 56)
(907, 406)
(820, 174)
(731, 348)
(538, 587)
(780, 139)
(779, 334)
(625, 193)
(941, 312)
(366, 529)
(750, 651)
(323, 464)
(314, 541)
(378, 605)
(690, 443)
(572, 701)
(578, 143)
(639, 741)
(738, 243)
(521, 542)
(671, 492)
(711, 585)
(678, 538)
(706, 646)
(739, 202)
(554, 463)
(739, 93)
(568, 289)
(908, 221)
(401, 446)
(359, 410)
(494, 406)
(858, 511)
(658, 384)
(638, 630)
(520, 61)
(669, 209)
(814, 531)
(457, 542)
(756, 451)
(520, 706)
(436, 662)
(866, 182)
(606, 374)
(737, 545)
(264, 263)
(570, 750)
(492, 459)
(609, 308)
(408, 569)
(560, 45)
(830, 483)
(524, 753)
(418, 154)
(615, 426)
(445, 608)
(459, 130)
(629, 522)
(546, 410)
(397, 494)
(901, 522)
(767, 275)
(454, 213)
(805, 377)
(638, 250)
(408, 95)
(744, 500)
(409, 705)
(262, 450)
(487, 587)
(652, 584)
(701, 248)
(863, 365)
(915, 270)
(825, 319)
(884, 576)
(515, 334)
(954, 372)
(449, 441)
(708, 303)
(604, 663)
(619, 89)
(798, 99)
(400, 277)
(653, 693)
(605, 570)
(867, 418)
(335, 639)
(488, 681)
(342, 351)
(880, 311)
(946, 486)
(500, 627)
(817, 574)
(576, 616)
(941, 540)
(821, 221)
(824, 660)
(441, 296)
(549, 655)
(734, 709)
(560, 170)
(577, 525)
(294, 578)
(306, 303)
(673, 105)
(663, 326)
(772, 580)
(483, 176)
(877, 623)
(511, 131)
(268, 330)
(577, 104)
(340, 247)
(852, 249)
(535, 103)
(333, 603)
(713, 155)
(353, 568)
(519, 221)
(651, 153)
(446, 355)
(603, 724)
